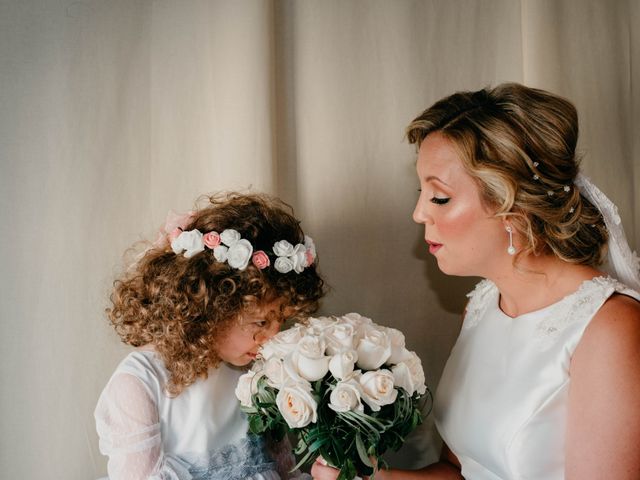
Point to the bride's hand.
(321, 471)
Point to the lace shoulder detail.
(478, 302)
(581, 305)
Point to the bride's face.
(460, 231)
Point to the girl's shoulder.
(146, 367)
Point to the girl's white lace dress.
(501, 404)
(200, 434)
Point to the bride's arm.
(448, 468)
(603, 427)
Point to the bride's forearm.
(435, 471)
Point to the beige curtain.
(115, 111)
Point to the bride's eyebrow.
(431, 178)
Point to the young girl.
(198, 305)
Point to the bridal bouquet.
(347, 387)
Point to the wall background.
(115, 111)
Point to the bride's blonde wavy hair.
(183, 306)
(519, 145)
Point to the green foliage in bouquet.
(347, 388)
(347, 440)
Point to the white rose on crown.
(189, 242)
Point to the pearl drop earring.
(511, 250)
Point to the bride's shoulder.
(614, 330)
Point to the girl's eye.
(260, 323)
(440, 201)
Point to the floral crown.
(231, 248)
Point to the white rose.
(377, 388)
(297, 406)
(299, 258)
(374, 348)
(312, 346)
(310, 369)
(282, 248)
(190, 242)
(414, 371)
(309, 359)
(339, 337)
(345, 397)
(229, 237)
(319, 324)
(220, 253)
(399, 352)
(359, 324)
(283, 343)
(341, 365)
(275, 372)
(283, 264)
(247, 386)
(239, 254)
(402, 377)
(310, 245)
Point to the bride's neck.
(536, 282)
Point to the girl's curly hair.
(183, 306)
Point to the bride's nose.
(421, 214)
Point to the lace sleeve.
(129, 429)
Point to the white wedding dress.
(501, 405)
(199, 435)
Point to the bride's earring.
(511, 250)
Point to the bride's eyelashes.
(437, 200)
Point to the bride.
(544, 379)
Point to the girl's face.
(459, 230)
(240, 344)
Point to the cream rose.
(283, 343)
(374, 348)
(239, 254)
(359, 324)
(297, 405)
(377, 388)
(275, 372)
(346, 397)
(409, 374)
(247, 386)
(319, 324)
(399, 352)
(339, 337)
(341, 365)
(309, 359)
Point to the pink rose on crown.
(260, 260)
(211, 239)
